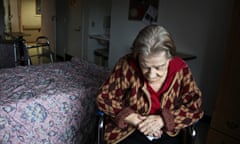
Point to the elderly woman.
(151, 94)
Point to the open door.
(75, 29)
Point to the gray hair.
(152, 39)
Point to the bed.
(50, 103)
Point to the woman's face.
(154, 66)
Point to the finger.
(149, 132)
(142, 117)
(143, 124)
(148, 124)
(146, 130)
(158, 133)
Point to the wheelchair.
(189, 134)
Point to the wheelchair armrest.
(189, 134)
(193, 130)
(100, 135)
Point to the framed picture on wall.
(143, 10)
(38, 7)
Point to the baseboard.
(61, 58)
(68, 57)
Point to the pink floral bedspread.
(49, 103)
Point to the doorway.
(34, 18)
(75, 29)
(71, 28)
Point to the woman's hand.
(134, 119)
(151, 125)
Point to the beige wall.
(31, 23)
(29, 16)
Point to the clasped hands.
(149, 125)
